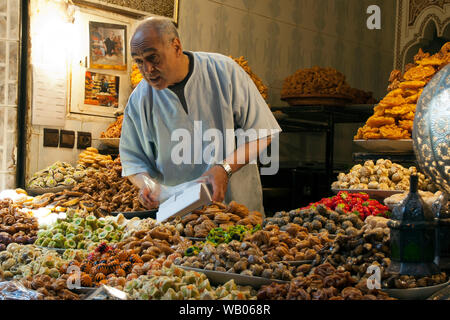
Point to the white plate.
(371, 192)
(421, 293)
(110, 142)
(218, 277)
(386, 145)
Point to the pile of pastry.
(394, 116)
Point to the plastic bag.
(14, 290)
(163, 192)
(107, 293)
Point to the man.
(180, 92)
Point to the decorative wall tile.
(2, 52)
(12, 94)
(13, 60)
(13, 19)
(3, 6)
(2, 26)
(11, 120)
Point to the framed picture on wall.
(101, 89)
(107, 46)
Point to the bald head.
(163, 27)
(157, 51)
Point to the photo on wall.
(101, 89)
(107, 46)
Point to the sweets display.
(237, 257)
(217, 215)
(393, 117)
(102, 192)
(19, 261)
(114, 130)
(354, 203)
(15, 225)
(382, 175)
(77, 232)
(317, 219)
(259, 84)
(91, 158)
(50, 288)
(177, 284)
(135, 75)
(58, 174)
(315, 80)
(324, 283)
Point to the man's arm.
(243, 155)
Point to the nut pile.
(394, 116)
(58, 174)
(15, 225)
(259, 84)
(177, 284)
(217, 215)
(382, 175)
(114, 130)
(317, 220)
(324, 283)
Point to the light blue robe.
(221, 95)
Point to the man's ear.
(177, 45)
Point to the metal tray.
(195, 239)
(59, 250)
(374, 193)
(139, 214)
(84, 290)
(40, 191)
(218, 277)
(385, 145)
(298, 263)
(421, 293)
(110, 142)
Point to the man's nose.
(148, 67)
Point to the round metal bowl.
(421, 293)
(431, 129)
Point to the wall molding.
(412, 18)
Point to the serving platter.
(317, 99)
(41, 191)
(385, 145)
(137, 214)
(421, 293)
(218, 277)
(373, 193)
(111, 142)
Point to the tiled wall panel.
(9, 74)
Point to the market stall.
(77, 229)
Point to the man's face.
(155, 58)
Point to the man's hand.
(218, 178)
(149, 190)
(148, 198)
